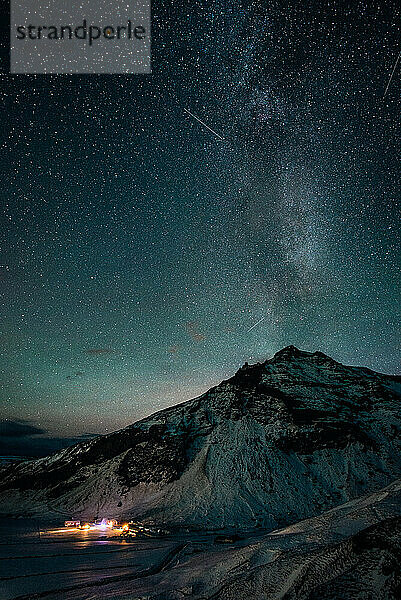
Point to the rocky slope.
(278, 442)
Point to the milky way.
(140, 248)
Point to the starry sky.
(145, 257)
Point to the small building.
(72, 523)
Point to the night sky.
(140, 248)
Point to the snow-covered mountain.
(278, 442)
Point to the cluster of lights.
(102, 526)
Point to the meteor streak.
(204, 124)
(392, 73)
(254, 325)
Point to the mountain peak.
(286, 360)
(290, 351)
(286, 353)
(294, 352)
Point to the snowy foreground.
(350, 552)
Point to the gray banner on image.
(88, 36)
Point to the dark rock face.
(159, 458)
(284, 439)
